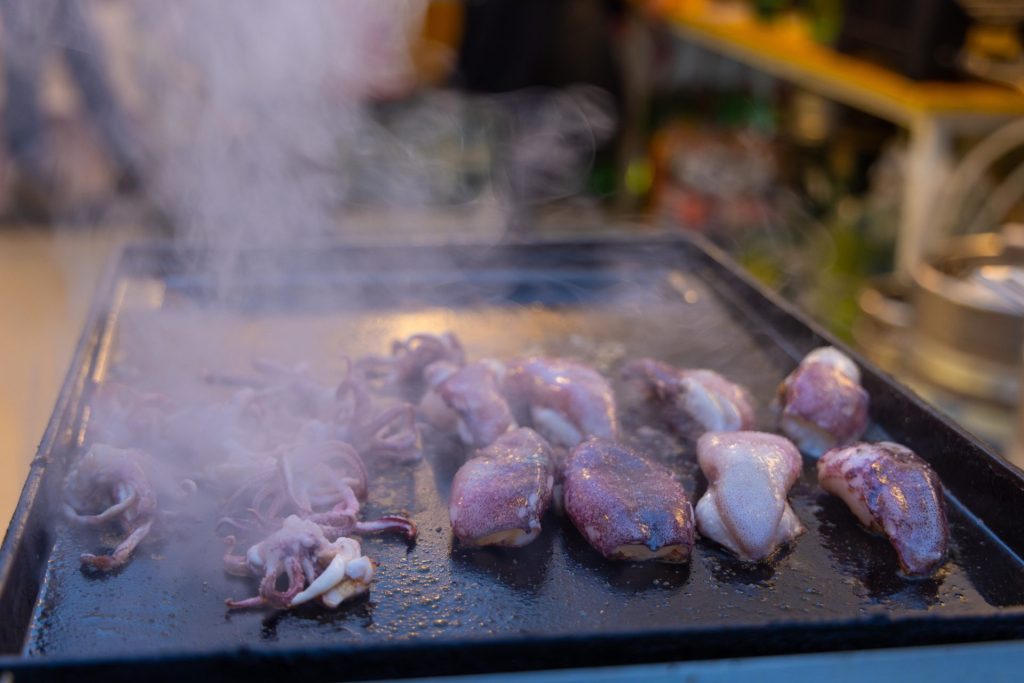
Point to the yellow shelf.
(784, 50)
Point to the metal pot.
(968, 322)
(883, 325)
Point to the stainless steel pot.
(968, 322)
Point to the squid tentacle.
(121, 553)
(236, 565)
(386, 524)
(110, 513)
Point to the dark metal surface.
(437, 608)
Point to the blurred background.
(865, 159)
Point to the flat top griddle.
(437, 607)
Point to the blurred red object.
(709, 179)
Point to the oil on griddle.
(171, 595)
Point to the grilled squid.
(323, 481)
(565, 401)
(377, 427)
(627, 507)
(894, 492)
(500, 496)
(403, 369)
(690, 402)
(822, 404)
(279, 405)
(311, 566)
(115, 486)
(745, 507)
(468, 400)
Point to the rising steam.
(251, 101)
(271, 120)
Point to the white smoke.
(250, 101)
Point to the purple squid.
(107, 486)
(403, 370)
(313, 567)
(564, 400)
(892, 491)
(690, 402)
(626, 506)
(468, 400)
(821, 404)
(324, 482)
(378, 428)
(500, 495)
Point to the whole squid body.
(564, 400)
(745, 507)
(627, 507)
(500, 496)
(892, 491)
(690, 402)
(821, 404)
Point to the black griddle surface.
(836, 586)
